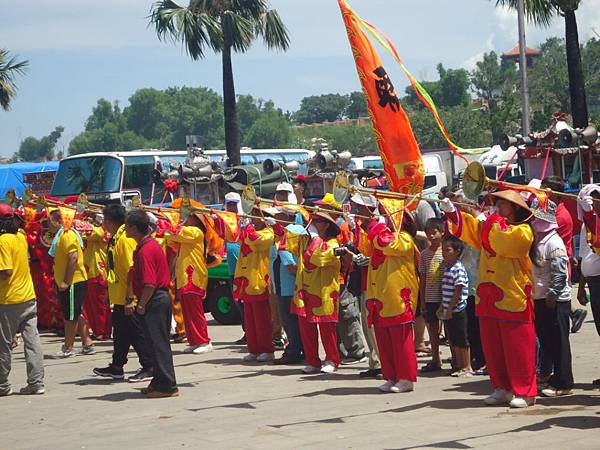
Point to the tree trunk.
(232, 122)
(576, 82)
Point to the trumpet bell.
(249, 199)
(341, 187)
(473, 180)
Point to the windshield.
(94, 174)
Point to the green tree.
(357, 106)
(33, 149)
(322, 108)
(270, 130)
(541, 13)
(9, 69)
(452, 88)
(496, 85)
(224, 26)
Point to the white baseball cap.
(232, 197)
(285, 187)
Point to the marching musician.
(191, 276)
(504, 294)
(251, 285)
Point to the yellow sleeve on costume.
(402, 244)
(364, 246)
(513, 243)
(265, 240)
(186, 235)
(325, 257)
(471, 230)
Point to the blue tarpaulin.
(11, 175)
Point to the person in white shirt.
(552, 296)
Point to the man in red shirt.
(565, 231)
(149, 286)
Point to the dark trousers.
(156, 324)
(594, 285)
(552, 326)
(127, 332)
(291, 327)
(349, 329)
(474, 335)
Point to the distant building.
(512, 56)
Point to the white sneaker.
(189, 349)
(6, 392)
(404, 386)
(328, 367)
(250, 357)
(522, 402)
(387, 386)
(265, 357)
(498, 397)
(64, 352)
(311, 369)
(206, 348)
(87, 350)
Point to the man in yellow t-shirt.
(127, 327)
(70, 278)
(17, 306)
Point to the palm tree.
(541, 13)
(9, 68)
(222, 26)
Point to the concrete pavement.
(225, 403)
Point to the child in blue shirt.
(455, 292)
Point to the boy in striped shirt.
(455, 292)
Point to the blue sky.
(80, 51)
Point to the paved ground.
(227, 404)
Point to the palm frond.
(538, 12)
(274, 32)
(238, 31)
(9, 69)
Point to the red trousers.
(310, 341)
(509, 349)
(96, 309)
(193, 316)
(397, 352)
(259, 327)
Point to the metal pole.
(523, 67)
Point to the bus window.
(91, 174)
(373, 164)
(430, 181)
(167, 160)
(295, 157)
(138, 174)
(247, 159)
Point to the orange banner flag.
(68, 216)
(398, 147)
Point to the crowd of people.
(491, 280)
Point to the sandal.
(431, 367)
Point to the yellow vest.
(190, 266)
(251, 279)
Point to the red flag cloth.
(398, 147)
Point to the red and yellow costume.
(504, 302)
(251, 287)
(95, 305)
(317, 298)
(392, 293)
(191, 276)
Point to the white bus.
(118, 176)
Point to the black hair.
(555, 183)
(9, 226)
(434, 224)
(115, 213)
(55, 215)
(301, 182)
(457, 245)
(139, 219)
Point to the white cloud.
(471, 62)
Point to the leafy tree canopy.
(33, 149)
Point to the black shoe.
(241, 341)
(286, 360)
(577, 320)
(111, 371)
(279, 344)
(141, 376)
(371, 373)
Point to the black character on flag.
(385, 90)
